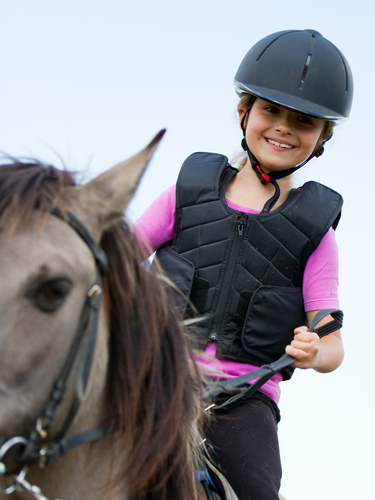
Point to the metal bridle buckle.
(40, 429)
(24, 486)
(8, 445)
(19, 481)
(94, 291)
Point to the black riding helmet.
(302, 71)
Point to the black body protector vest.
(243, 272)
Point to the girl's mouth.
(279, 144)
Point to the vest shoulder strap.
(314, 210)
(200, 179)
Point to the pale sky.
(91, 82)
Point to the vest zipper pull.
(240, 228)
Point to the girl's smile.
(280, 138)
(277, 144)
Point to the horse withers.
(96, 398)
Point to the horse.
(98, 390)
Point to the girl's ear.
(325, 136)
(243, 109)
(241, 114)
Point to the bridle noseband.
(29, 452)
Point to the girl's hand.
(305, 348)
(324, 355)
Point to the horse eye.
(50, 295)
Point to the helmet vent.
(271, 43)
(345, 64)
(307, 63)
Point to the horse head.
(89, 345)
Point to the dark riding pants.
(245, 438)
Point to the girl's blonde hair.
(240, 160)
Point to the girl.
(256, 258)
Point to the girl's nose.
(284, 124)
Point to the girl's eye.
(272, 109)
(306, 120)
(50, 295)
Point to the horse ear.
(105, 198)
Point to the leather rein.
(238, 389)
(29, 452)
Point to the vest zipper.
(225, 287)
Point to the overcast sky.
(91, 82)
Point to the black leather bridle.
(30, 452)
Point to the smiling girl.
(256, 258)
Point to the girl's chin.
(275, 168)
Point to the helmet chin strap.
(272, 176)
(263, 177)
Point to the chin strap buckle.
(262, 176)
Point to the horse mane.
(148, 352)
(153, 409)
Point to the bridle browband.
(29, 452)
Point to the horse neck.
(82, 474)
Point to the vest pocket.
(273, 314)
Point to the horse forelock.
(29, 184)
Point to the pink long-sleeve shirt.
(157, 226)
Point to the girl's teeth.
(286, 146)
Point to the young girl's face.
(280, 138)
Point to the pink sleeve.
(157, 224)
(320, 281)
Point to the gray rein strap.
(51, 451)
(265, 372)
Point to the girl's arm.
(157, 225)
(320, 286)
